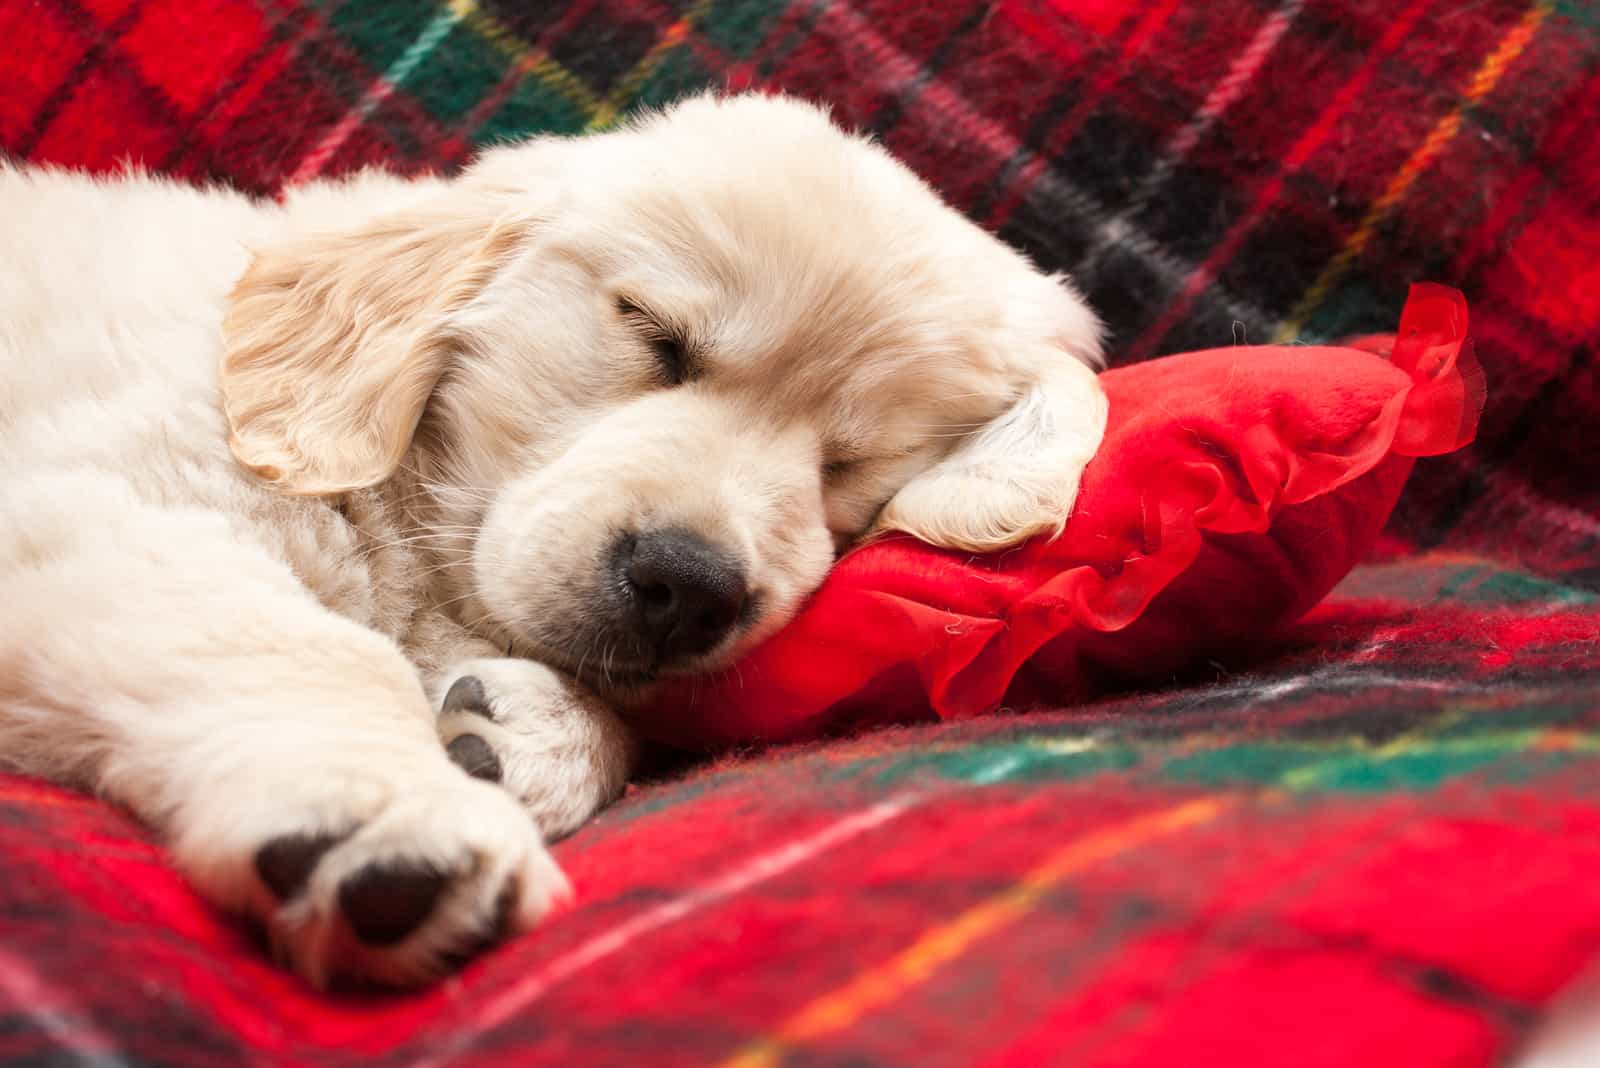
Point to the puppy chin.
(593, 661)
(630, 694)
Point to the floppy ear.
(334, 342)
(1018, 476)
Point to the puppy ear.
(334, 342)
(1018, 476)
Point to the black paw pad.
(505, 907)
(385, 903)
(475, 757)
(285, 863)
(466, 695)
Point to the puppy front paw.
(539, 734)
(395, 884)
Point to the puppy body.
(280, 481)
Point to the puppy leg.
(288, 755)
(537, 732)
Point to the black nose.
(687, 593)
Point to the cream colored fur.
(274, 477)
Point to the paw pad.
(466, 695)
(384, 903)
(285, 863)
(475, 757)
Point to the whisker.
(458, 550)
(436, 568)
(429, 486)
(429, 535)
(584, 660)
(444, 540)
(457, 600)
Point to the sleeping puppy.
(335, 531)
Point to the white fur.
(276, 476)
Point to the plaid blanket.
(1377, 844)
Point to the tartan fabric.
(1378, 843)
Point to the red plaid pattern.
(1373, 842)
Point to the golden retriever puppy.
(292, 494)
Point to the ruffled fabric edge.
(1437, 414)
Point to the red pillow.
(1234, 488)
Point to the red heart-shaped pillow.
(1233, 489)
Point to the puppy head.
(672, 370)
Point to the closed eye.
(671, 359)
(841, 460)
(834, 470)
(672, 356)
(862, 464)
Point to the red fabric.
(1407, 866)
(1234, 488)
